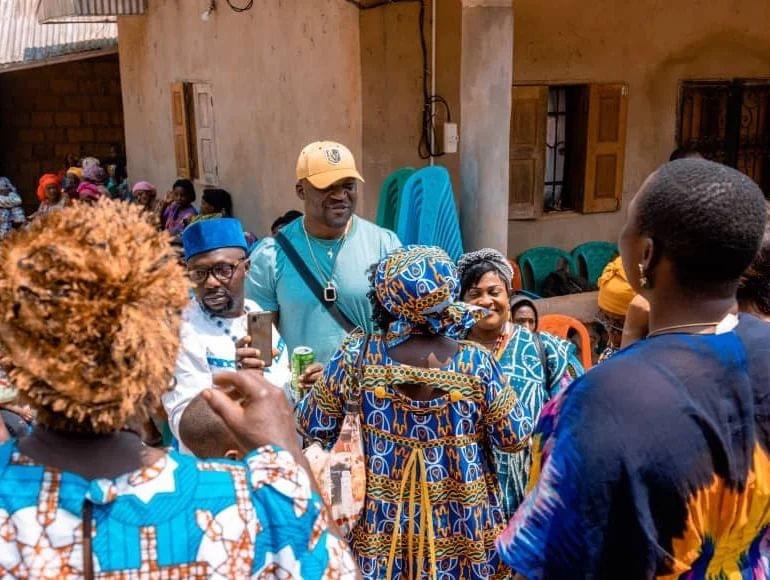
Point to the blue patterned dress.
(521, 361)
(428, 463)
(178, 518)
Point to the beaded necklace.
(221, 324)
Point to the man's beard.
(218, 302)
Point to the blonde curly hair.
(90, 308)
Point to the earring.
(643, 280)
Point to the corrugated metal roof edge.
(81, 55)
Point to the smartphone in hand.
(260, 329)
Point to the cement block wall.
(283, 75)
(51, 111)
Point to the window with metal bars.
(728, 122)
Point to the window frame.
(590, 149)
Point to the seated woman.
(615, 296)
(55, 197)
(538, 365)
(657, 461)
(177, 210)
(11, 211)
(91, 305)
(432, 410)
(215, 203)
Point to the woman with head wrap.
(77, 172)
(90, 304)
(46, 181)
(524, 312)
(615, 296)
(88, 162)
(145, 194)
(432, 409)
(92, 188)
(537, 365)
(55, 197)
(11, 212)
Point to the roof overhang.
(87, 11)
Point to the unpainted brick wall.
(49, 112)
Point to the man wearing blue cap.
(214, 334)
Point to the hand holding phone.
(260, 330)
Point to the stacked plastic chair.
(428, 215)
(592, 257)
(390, 198)
(537, 263)
(562, 326)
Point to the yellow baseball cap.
(325, 162)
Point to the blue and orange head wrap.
(419, 287)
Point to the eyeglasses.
(223, 272)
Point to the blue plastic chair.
(537, 263)
(428, 215)
(389, 203)
(592, 257)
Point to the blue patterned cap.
(208, 235)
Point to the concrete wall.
(487, 45)
(391, 73)
(283, 74)
(51, 111)
(648, 44)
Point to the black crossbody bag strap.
(312, 283)
(543, 360)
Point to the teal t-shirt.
(275, 285)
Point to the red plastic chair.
(560, 325)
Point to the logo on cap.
(333, 156)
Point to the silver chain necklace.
(330, 290)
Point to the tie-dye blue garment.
(178, 518)
(655, 464)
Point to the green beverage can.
(301, 358)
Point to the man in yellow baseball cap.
(313, 273)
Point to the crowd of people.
(437, 432)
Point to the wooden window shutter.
(181, 125)
(205, 133)
(605, 147)
(527, 152)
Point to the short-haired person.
(284, 220)
(91, 304)
(206, 434)
(216, 203)
(657, 461)
(214, 330)
(335, 247)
